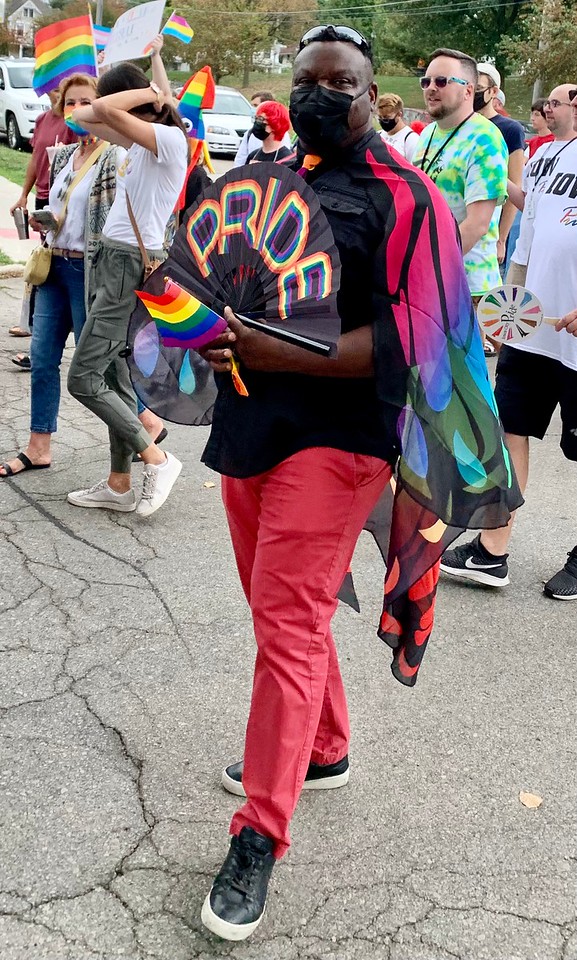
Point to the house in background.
(21, 17)
(275, 60)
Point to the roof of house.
(13, 6)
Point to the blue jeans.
(59, 308)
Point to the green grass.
(518, 93)
(5, 261)
(13, 164)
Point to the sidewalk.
(126, 655)
(17, 250)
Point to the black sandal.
(28, 465)
(22, 361)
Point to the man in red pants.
(306, 456)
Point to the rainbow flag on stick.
(182, 320)
(178, 27)
(101, 36)
(62, 49)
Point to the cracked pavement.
(126, 660)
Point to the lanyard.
(442, 147)
(547, 169)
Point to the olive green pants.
(98, 376)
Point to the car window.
(21, 77)
(231, 103)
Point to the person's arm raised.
(110, 119)
(158, 69)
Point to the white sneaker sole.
(223, 929)
(324, 783)
(477, 576)
(147, 507)
(102, 505)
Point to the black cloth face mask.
(259, 130)
(479, 100)
(320, 117)
(387, 123)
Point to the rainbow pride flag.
(101, 36)
(178, 27)
(62, 49)
(182, 320)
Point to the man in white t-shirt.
(537, 174)
(395, 132)
(540, 374)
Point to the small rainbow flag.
(62, 49)
(182, 320)
(101, 36)
(178, 27)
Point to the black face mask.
(388, 124)
(479, 100)
(259, 130)
(320, 117)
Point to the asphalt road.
(126, 661)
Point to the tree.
(547, 51)
(474, 26)
(226, 33)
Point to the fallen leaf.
(530, 800)
(209, 484)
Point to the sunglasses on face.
(440, 82)
(553, 104)
(340, 33)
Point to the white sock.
(115, 492)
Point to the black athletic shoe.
(563, 585)
(319, 776)
(235, 905)
(471, 561)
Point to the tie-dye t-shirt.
(471, 166)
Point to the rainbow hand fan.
(256, 240)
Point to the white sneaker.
(157, 484)
(101, 495)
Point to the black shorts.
(528, 388)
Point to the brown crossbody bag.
(149, 265)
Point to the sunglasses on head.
(440, 82)
(340, 33)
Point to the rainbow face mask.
(75, 127)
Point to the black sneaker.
(235, 905)
(471, 561)
(319, 776)
(563, 585)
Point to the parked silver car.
(228, 121)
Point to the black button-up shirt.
(288, 412)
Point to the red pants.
(294, 530)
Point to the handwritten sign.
(133, 32)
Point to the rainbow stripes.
(197, 92)
(178, 27)
(182, 320)
(62, 49)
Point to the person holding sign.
(137, 114)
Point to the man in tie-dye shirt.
(466, 156)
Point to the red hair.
(276, 115)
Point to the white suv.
(19, 105)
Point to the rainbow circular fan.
(258, 241)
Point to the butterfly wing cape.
(454, 470)
(257, 241)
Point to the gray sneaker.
(157, 484)
(100, 495)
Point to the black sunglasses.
(339, 33)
